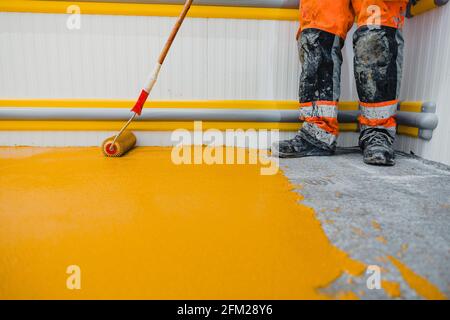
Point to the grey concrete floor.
(374, 212)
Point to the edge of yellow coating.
(421, 285)
(348, 295)
(129, 238)
(391, 288)
(141, 9)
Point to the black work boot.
(301, 146)
(376, 145)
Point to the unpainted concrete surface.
(375, 212)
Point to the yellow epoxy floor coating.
(140, 227)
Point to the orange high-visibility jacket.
(338, 16)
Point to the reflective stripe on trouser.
(379, 115)
(320, 121)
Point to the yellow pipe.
(141, 9)
(28, 125)
(348, 105)
(192, 104)
(38, 125)
(408, 131)
(424, 6)
(409, 106)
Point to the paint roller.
(125, 140)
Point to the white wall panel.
(110, 57)
(427, 77)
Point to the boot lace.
(377, 137)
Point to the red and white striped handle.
(154, 76)
(151, 81)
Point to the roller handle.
(140, 103)
(174, 32)
(154, 76)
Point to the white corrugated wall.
(110, 56)
(427, 77)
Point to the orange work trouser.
(378, 46)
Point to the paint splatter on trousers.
(377, 67)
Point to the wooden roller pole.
(150, 83)
(154, 75)
(174, 32)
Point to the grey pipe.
(152, 114)
(424, 121)
(232, 3)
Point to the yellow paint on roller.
(142, 227)
(421, 285)
(124, 143)
(391, 288)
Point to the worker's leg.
(378, 46)
(324, 25)
(321, 59)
